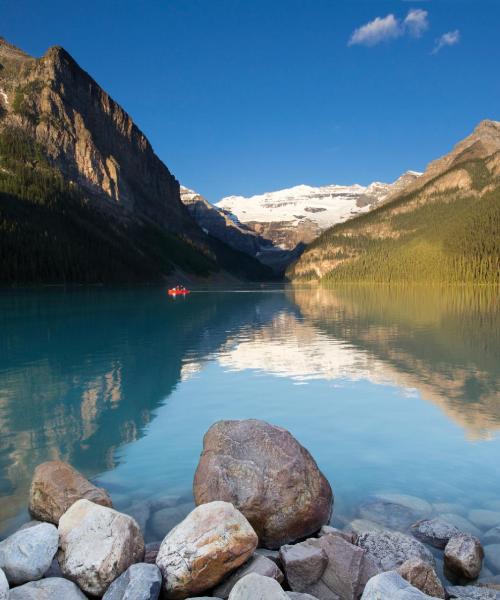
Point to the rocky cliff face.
(87, 135)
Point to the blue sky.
(241, 97)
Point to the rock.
(492, 553)
(449, 507)
(151, 552)
(391, 586)
(461, 523)
(257, 564)
(56, 486)
(492, 536)
(395, 511)
(300, 596)
(435, 532)
(484, 519)
(140, 512)
(54, 570)
(195, 556)
(391, 549)
(268, 476)
(97, 544)
(52, 588)
(347, 535)
(463, 556)
(490, 581)
(139, 582)
(327, 568)
(422, 576)
(360, 526)
(4, 586)
(273, 555)
(257, 587)
(165, 519)
(472, 592)
(29, 524)
(28, 553)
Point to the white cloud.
(376, 31)
(416, 22)
(447, 39)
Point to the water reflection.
(83, 373)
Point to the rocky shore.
(260, 530)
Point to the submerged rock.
(435, 532)
(391, 549)
(395, 511)
(492, 536)
(257, 587)
(27, 554)
(52, 588)
(213, 539)
(360, 526)
(165, 519)
(268, 476)
(55, 486)
(256, 564)
(463, 556)
(97, 544)
(391, 586)
(422, 576)
(139, 582)
(461, 523)
(492, 552)
(484, 519)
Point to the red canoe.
(174, 292)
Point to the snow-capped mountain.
(299, 214)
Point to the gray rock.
(391, 586)
(490, 581)
(349, 536)
(97, 544)
(484, 519)
(52, 588)
(435, 532)
(422, 576)
(139, 582)
(257, 564)
(54, 570)
(391, 549)
(165, 519)
(492, 553)
(27, 554)
(300, 596)
(327, 568)
(492, 536)
(4, 586)
(463, 556)
(257, 587)
(273, 555)
(472, 592)
(151, 552)
(395, 511)
(29, 524)
(461, 523)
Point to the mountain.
(221, 224)
(444, 226)
(83, 196)
(299, 214)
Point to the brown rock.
(463, 556)
(422, 576)
(213, 539)
(268, 476)
(56, 485)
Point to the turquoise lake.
(391, 390)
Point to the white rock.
(257, 587)
(52, 588)
(4, 586)
(97, 544)
(391, 586)
(28, 553)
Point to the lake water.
(392, 390)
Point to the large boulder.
(327, 568)
(422, 576)
(4, 586)
(257, 564)
(435, 532)
(391, 549)
(257, 587)
(267, 475)
(55, 486)
(391, 586)
(139, 582)
(195, 556)
(463, 556)
(28, 553)
(52, 588)
(97, 544)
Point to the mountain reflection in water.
(84, 373)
